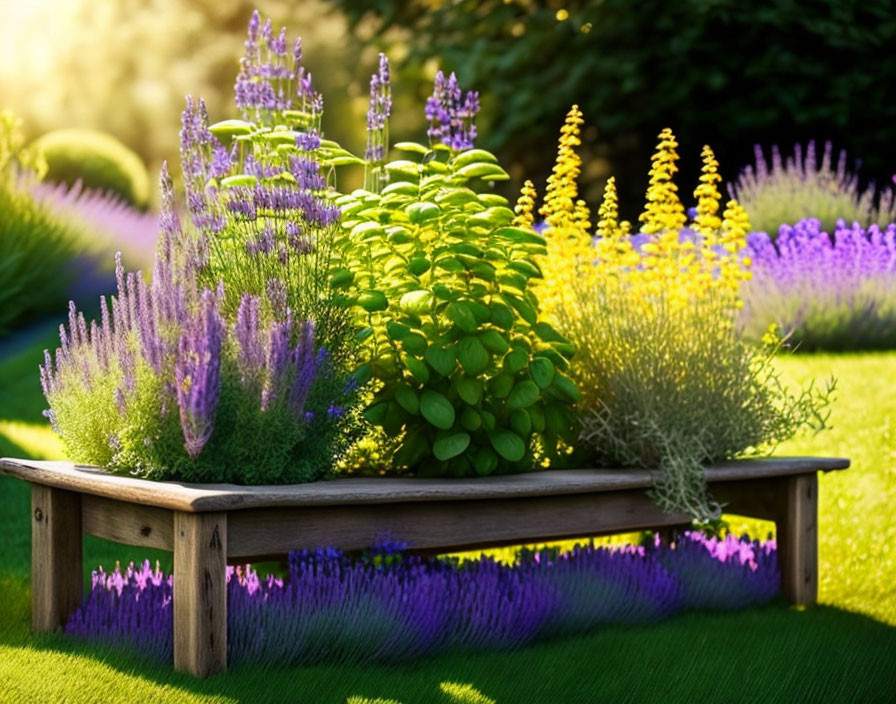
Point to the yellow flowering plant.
(667, 380)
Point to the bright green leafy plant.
(467, 374)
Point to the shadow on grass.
(769, 654)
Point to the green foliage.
(465, 373)
(537, 58)
(35, 244)
(98, 160)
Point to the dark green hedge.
(725, 72)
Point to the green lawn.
(838, 652)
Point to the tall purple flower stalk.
(829, 291)
(197, 373)
(272, 80)
(451, 113)
(378, 125)
(332, 608)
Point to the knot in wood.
(38, 515)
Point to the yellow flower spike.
(707, 222)
(608, 214)
(525, 206)
(663, 209)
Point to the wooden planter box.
(208, 526)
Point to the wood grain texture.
(124, 522)
(798, 539)
(446, 525)
(200, 594)
(56, 561)
(355, 491)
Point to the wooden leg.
(200, 594)
(798, 539)
(56, 565)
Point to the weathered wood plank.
(345, 491)
(56, 564)
(757, 498)
(797, 536)
(445, 525)
(200, 594)
(128, 523)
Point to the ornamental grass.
(668, 380)
(786, 191)
(389, 607)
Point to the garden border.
(208, 525)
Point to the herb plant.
(467, 374)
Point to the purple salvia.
(451, 114)
(198, 374)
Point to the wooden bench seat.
(208, 525)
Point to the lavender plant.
(798, 187)
(257, 193)
(468, 378)
(826, 291)
(332, 608)
(164, 386)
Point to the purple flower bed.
(392, 607)
(830, 291)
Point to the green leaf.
(414, 448)
(455, 196)
(471, 156)
(501, 385)
(485, 461)
(372, 301)
(437, 409)
(450, 446)
(536, 415)
(419, 212)
(365, 229)
(521, 422)
(472, 355)
(418, 265)
(527, 269)
(364, 333)
(566, 388)
(376, 413)
(480, 311)
(460, 314)
(520, 235)
(542, 371)
(524, 394)
(230, 128)
(414, 343)
(239, 180)
(502, 315)
(488, 420)
(342, 161)
(406, 397)
(508, 444)
(394, 420)
(416, 302)
(363, 374)
(515, 360)
(547, 333)
(404, 167)
(470, 419)
(341, 278)
(526, 311)
(470, 390)
(412, 147)
(440, 359)
(489, 172)
(449, 264)
(397, 331)
(417, 369)
(402, 187)
(494, 341)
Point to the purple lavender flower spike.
(451, 113)
(378, 113)
(251, 357)
(305, 364)
(198, 374)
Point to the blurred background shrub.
(98, 161)
(787, 191)
(726, 72)
(829, 290)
